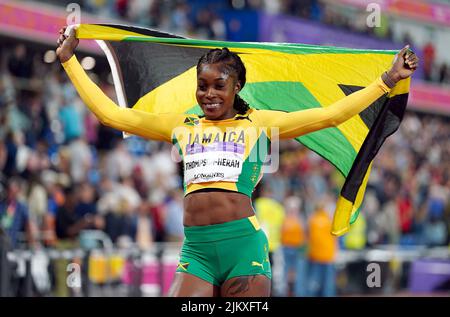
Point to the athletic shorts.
(219, 252)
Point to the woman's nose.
(210, 92)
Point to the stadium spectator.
(144, 228)
(321, 254)
(444, 74)
(20, 63)
(69, 224)
(429, 54)
(293, 240)
(14, 216)
(271, 215)
(174, 217)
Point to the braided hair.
(232, 63)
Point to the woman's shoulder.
(264, 114)
(267, 111)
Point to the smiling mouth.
(212, 106)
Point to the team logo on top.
(191, 121)
(247, 117)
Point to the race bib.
(220, 161)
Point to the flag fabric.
(156, 72)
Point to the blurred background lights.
(88, 63)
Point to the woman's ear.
(237, 87)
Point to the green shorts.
(219, 252)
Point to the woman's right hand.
(66, 45)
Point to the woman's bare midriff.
(207, 208)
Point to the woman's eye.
(201, 87)
(220, 86)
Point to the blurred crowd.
(406, 205)
(197, 19)
(408, 193)
(62, 172)
(355, 20)
(204, 20)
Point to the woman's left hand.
(404, 65)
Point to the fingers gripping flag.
(156, 72)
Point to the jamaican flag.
(156, 72)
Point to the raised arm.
(297, 123)
(148, 125)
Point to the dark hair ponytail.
(240, 105)
(232, 63)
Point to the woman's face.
(216, 90)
